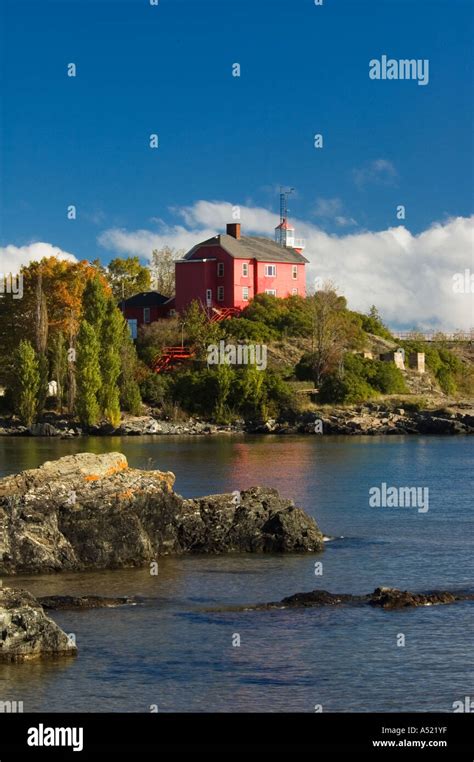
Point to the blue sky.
(143, 69)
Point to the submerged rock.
(26, 633)
(391, 598)
(91, 511)
(383, 597)
(66, 602)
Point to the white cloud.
(409, 277)
(141, 243)
(13, 257)
(378, 172)
(327, 207)
(330, 209)
(344, 222)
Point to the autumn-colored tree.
(63, 283)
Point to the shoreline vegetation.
(71, 364)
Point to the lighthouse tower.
(284, 232)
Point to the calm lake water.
(174, 652)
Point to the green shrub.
(194, 391)
(154, 389)
(242, 329)
(304, 369)
(446, 380)
(361, 379)
(348, 389)
(387, 378)
(450, 373)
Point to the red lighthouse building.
(228, 271)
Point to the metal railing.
(435, 335)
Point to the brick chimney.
(233, 229)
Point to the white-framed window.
(132, 324)
(245, 270)
(146, 314)
(271, 291)
(294, 272)
(245, 294)
(220, 270)
(270, 271)
(208, 296)
(294, 292)
(220, 293)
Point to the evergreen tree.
(87, 375)
(43, 367)
(94, 303)
(28, 381)
(225, 376)
(253, 397)
(58, 355)
(110, 361)
(130, 397)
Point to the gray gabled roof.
(248, 247)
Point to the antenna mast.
(282, 232)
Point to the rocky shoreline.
(368, 419)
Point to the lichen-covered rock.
(26, 632)
(91, 511)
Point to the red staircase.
(170, 357)
(223, 314)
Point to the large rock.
(26, 632)
(91, 511)
(257, 519)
